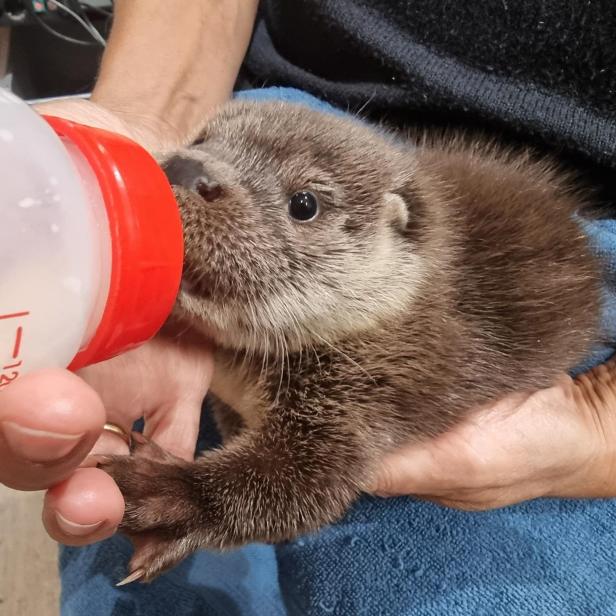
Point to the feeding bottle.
(90, 243)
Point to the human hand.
(151, 132)
(558, 442)
(156, 94)
(51, 420)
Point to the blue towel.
(390, 557)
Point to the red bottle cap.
(146, 240)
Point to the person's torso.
(537, 72)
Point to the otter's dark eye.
(303, 206)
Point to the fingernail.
(38, 445)
(74, 529)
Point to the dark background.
(41, 64)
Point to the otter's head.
(299, 227)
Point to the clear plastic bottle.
(90, 243)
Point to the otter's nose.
(190, 174)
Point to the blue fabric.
(394, 557)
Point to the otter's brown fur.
(438, 276)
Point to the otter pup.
(364, 290)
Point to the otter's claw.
(133, 577)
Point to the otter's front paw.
(162, 516)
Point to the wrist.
(167, 69)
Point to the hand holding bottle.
(50, 420)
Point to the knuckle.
(385, 482)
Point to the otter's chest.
(240, 384)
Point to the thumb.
(408, 470)
(49, 420)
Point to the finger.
(119, 381)
(107, 444)
(484, 501)
(85, 508)
(435, 467)
(176, 428)
(488, 498)
(85, 112)
(49, 420)
(462, 505)
(595, 390)
(110, 442)
(410, 470)
(175, 425)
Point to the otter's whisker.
(343, 354)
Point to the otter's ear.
(396, 211)
(404, 208)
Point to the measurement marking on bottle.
(10, 371)
(17, 345)
(13, 365)
(14, 315)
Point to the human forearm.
(169, 64)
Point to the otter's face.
(293, 234)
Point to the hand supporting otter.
(558, 442)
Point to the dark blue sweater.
(540, 72)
